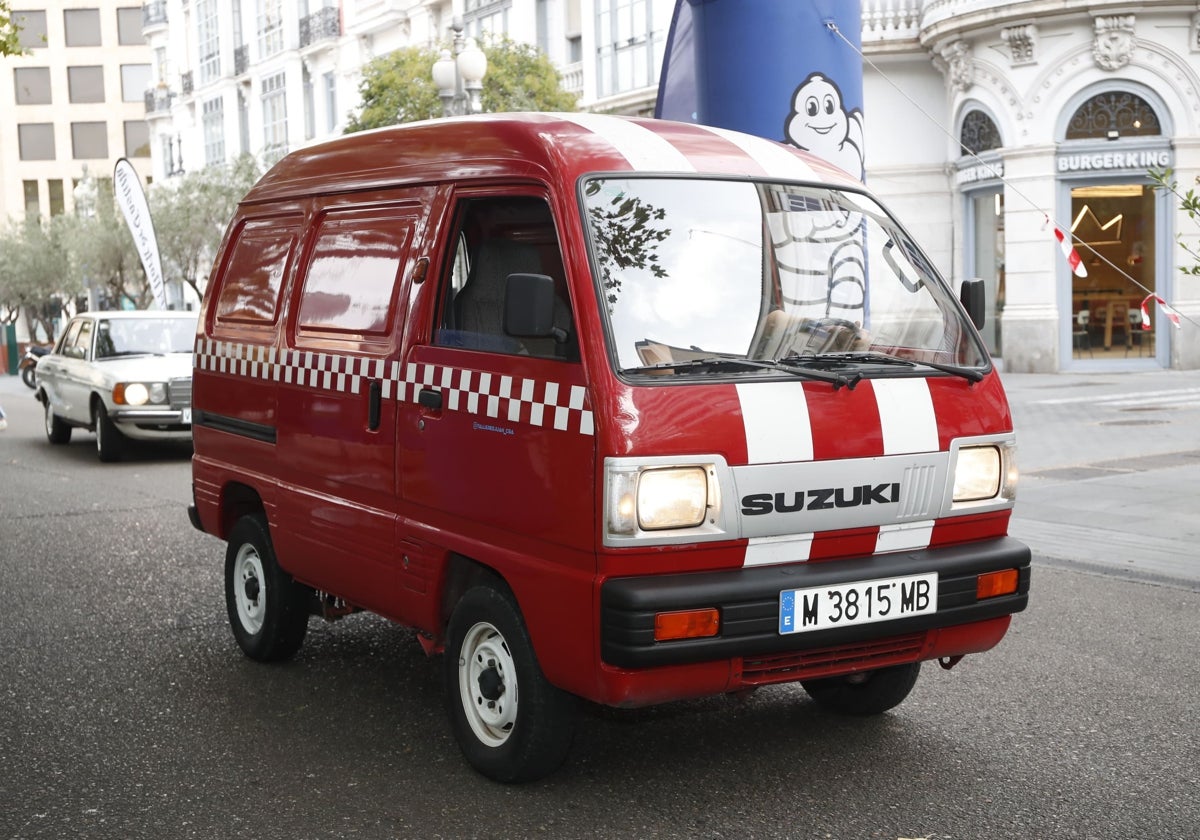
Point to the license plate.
(187, 417)
(861, 602)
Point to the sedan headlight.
(139, 393)
(985, 472)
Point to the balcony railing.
(241, 59)
(185, 83)
(158, 100)
(154, 14)
(321, 24)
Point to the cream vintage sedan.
(122, 374)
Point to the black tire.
(510, 722)
(268, 610)
(865, 694)
(29, 376)
(57, 430)
(110, 443)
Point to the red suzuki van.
(605, 408)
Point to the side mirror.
(971, 295)
(529, 306)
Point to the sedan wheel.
(56, 430)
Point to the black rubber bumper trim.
(234, 426)
(748, 602)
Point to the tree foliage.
(398, 87)
(10, 33)
(33, 261)
(190, 216)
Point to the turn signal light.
(993, 584)
(686, 624)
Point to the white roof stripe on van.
(775, 161)
(644, 149)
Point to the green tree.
(102, 254)
(190, 216)
(398, 87)
(10, 32)
(35, 274)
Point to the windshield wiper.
(719, 362)
(877, 358)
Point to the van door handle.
(430, 399)
(374, 405)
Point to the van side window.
(250, 293)
(351, 281)
(492, 239)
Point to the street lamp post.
(459, 76)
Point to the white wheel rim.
(100, 441)
(249, 589)
(487, 684)
(49, 418)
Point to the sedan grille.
(179, 392)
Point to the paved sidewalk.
(1110, 470)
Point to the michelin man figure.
(820, 124)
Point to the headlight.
(672, 498)
(664, 500)
(137, 393)
(985, 472)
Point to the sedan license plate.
(861, 602)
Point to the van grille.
(821, 662)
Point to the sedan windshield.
(696, 274)
(144, 336)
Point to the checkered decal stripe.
(507, 399)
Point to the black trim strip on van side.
(234, 426)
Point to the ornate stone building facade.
(991, 123)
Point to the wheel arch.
(237, 500)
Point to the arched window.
(1112, 114)
(979, 133)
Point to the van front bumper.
(748, 602)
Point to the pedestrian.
(3, 422)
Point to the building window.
(214, 131)
(274, 105)
(82, 27)
(32, 85)
(270, 27)
(137, 138)
(486, 16)
(89, 140)
(36, 141)
(330, 103)
(85, 84)
(33, 204)
(32, 27)
(628, 49)
(129, 26)
(55, 188)
(135, 81)
(979, 134)
(208, 40)
(1113, 114)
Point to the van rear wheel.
(510, 722)
(864, 694)
(268, 610)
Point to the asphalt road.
(127, 711)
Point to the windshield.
(694, 269)
(144, 336)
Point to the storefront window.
(1113, 226)
(988, 266)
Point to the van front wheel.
(510, 722)
(268, 610)
(864, 694)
